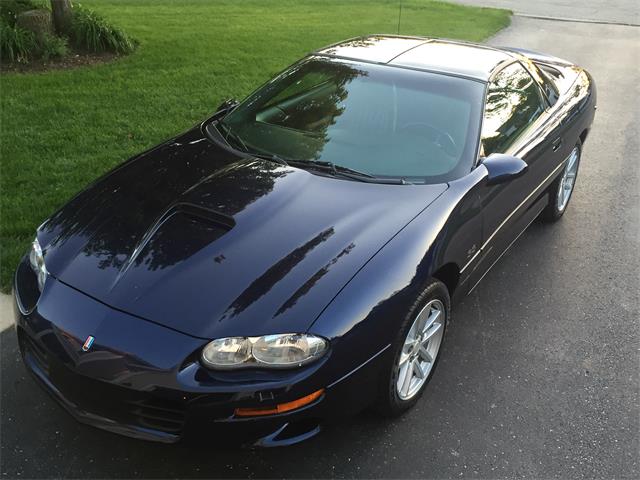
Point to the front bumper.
(144, 380)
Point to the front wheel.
(562, 187)
(416, 350)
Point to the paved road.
(614, 11)
(539, 378)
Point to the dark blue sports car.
(294, 257)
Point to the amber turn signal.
(280, 408)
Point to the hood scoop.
(182, 230)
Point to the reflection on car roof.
(446, 56)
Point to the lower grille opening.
(38, 353)
(158, 414)
(161, 411)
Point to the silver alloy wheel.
(420, 349)
(568, 179)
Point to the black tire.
(552, 213)
(389, 402)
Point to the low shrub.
(17, 44)
(92, 33)
(53, 47)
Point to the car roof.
(431, 54)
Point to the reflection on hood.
(192, 237)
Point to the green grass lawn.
(61, 129)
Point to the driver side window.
(513, 103)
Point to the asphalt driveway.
(607, 11)
(540, 374)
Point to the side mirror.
(503, 168)
(228, 104)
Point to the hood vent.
(202, 213)
(180, 232)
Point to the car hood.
(195, 238)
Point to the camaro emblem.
(87, 343)
(471, 252)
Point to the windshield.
(382, 121)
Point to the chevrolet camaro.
(294, 258)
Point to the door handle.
(557, 143)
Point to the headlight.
(36, 259)
(274, 351)
(227, 352)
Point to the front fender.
(363, 319)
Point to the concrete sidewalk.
(6, 311)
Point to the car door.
(516, 121)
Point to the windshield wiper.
(320, 165)
(272, 157)
(336, 169)
(227, 132)
(342, 171)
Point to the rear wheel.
(416, 350)
(562, 187)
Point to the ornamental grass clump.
(17, 45)
(92, 33)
